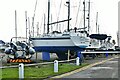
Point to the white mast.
(34, 18)
(26, 24)
(16, 25)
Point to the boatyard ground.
(46, 71)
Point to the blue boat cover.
(98, 36)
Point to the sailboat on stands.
(56, 42)
(75, 40)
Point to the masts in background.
(51, 25)
(48, 16)
(98, 29)
(26, 23)
(84, 14)
(16, 25)
(44, 24)
(88, 16)
(37, 28)
(33, 26)
(29, 28)
(97, 26)
(97, 22)
(34, 17)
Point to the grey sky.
(107, 9)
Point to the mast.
(34, 17)
(37, 28)
(29, 29)
(51, 25)
(88, 15)
(44, 24)
(48, 16)
(84, 14)
(16, 25)
(97, 22)
(33, 25)
(98, 29)
(26, 23)
(68, 15)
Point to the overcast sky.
(107, 19)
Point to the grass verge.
(41, 71)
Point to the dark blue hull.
(55, 49)
(60, 51)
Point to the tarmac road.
(108, 69)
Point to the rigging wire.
(55, 8)
(81, 20)
(41, 23)
(59, 12)
(77, 13)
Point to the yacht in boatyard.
(60, 43)
(56, 42)
(74, 40)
